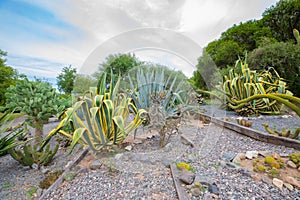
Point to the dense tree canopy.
(66, 79)
(269, 42)
(118, 64)
(282, 19)
(284, 58)
(7, 77)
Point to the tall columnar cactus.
(36, 99)
(297, 36)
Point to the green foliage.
(295, 158)
(205, 75)
(66, 79)
(184, 166)
(284, 132)
(284, 58)
(224, 52)
(7, 77)
(50, 179)
(35, 98)
(30, 155)
(100, 120)
(118, 64)
(82, 84)
(8, 135)
(282, 19)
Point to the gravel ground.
(143, 172)
(16, 180)
(145, 175)
(275, 122)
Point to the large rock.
(187, 177)
(251, 154)
(278, 183)
(292, 181)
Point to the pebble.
(291, 164)
(196, 192)
(278, 183)
(187, 177)
(128, 148)
(213, 188)
(95, 165)
(288, 186)
(251, 154)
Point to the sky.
(41, 37)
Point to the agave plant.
(242, 83)
(7, 135)
(151, 86)
(100, 118)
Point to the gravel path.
(143, 172)
(145, 175)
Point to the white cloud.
(98, 21)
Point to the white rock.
(288, 186)
(291, 164)
(128, 148)
(251, 154)
(278, 183)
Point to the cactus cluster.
(249, 92)
(269, 164)
(244, 122)
(284, 132)
(30, 155)
(295, 157)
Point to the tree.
(224, 52)
(284, 58)
(37, 99)
(118, 64)
(282, 19)
(8, 76)
(66, 79)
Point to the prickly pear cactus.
(35, 98)
(30, 155)
(297, 36)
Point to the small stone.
(251, 154)
(187, 177)
(68, 164)
(278, 183)
(34, 166)
(95, 165)
(288, 186)
(213, 188)
(128, 148)
(196, 192)
(209, 196)
(291, 164)
(292, 181)
(276, 156)
(228, 156)
(242, 156)
(266, 180)
(299, 169)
